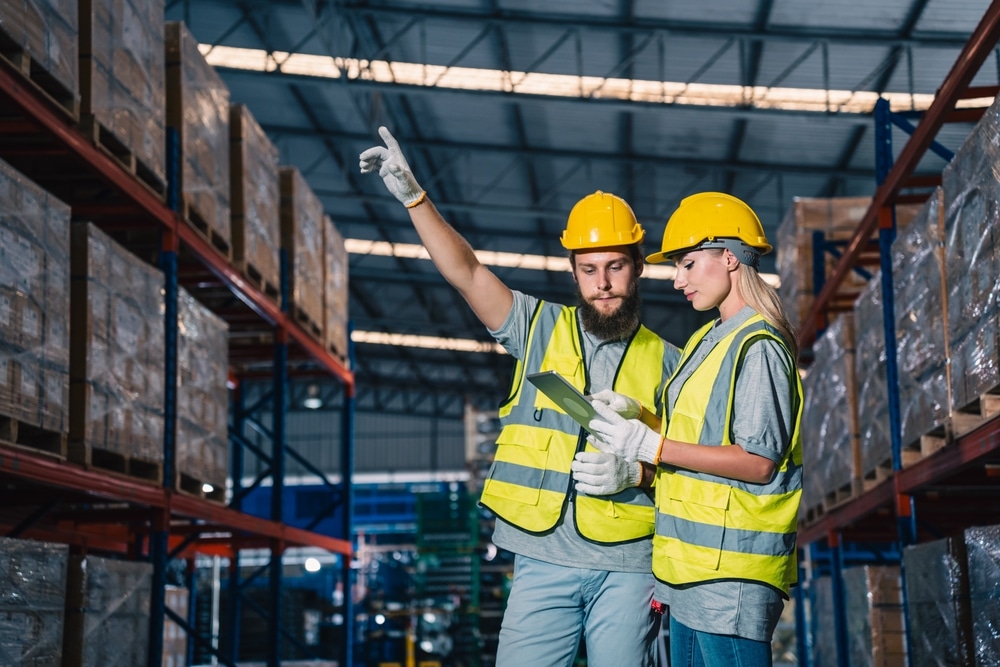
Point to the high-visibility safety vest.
(530, 479)
(710, 527)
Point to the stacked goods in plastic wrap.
(256, 198)
(302, 241)
(824, 635)
(175, 639)
(40, 38)
(107, 612)
(982, 546)
(202, 399)
(117, 361)
(972, 261)
(335, 296)
(830, 421)
(873, 597)
(937, 603)
(34, 313)
(873, 400)
(917, 266)
(122, 82)
(32, 603)
(198, 109)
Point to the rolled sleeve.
(763, 416)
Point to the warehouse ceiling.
(651, 100)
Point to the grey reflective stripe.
(532, 478)
(782, 482)
(754, 542)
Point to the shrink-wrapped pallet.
(40, 38)
(202, 399)
(107, 612)
(921, 321)
(32, 602)
(824, 635)
(870, 362)
(830, 420)
(335, 297)
(198, 109)
(122, 84)
(937, 604)
(175, 639)
(34, 320)
(302, 241)
(117, 362)
(256, 200)
(873, 601)
(982, 545)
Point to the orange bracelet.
(418, 201)
(656, 459)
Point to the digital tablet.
(566, 396)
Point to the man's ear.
(639, 267)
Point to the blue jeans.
(551, 606)
(692, 648)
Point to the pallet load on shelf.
(918, 290)
(116, 358)
(39, 38)
(972, 261)
(107, 612)
(937, 603)
(335, 298)
(175, 640)
(198, 110)
(821, 624)
(202, 400)
(982, 547)
(301, 239)
(255, 198)
(831, 447)
(123, 103)
(873, 600)
(816, 230)
(32, 602)
(34, 322)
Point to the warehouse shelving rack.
(130, 516)
(949, 489)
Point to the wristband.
(418, 201)
(656, 459)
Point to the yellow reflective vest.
(530, 479)
(709, 527)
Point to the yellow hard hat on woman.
(601, 220)
(713, 220)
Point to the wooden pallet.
(251, 273)
(31, 437)
(109, 461)
(975, 414)
(842, 494)
(111, 145)
(193, 486)
(197, 221)
(927, 443)
(38, 78)
(304, 320)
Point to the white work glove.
(388, 160)
(626, 406)
(628, 438)
(604, 474)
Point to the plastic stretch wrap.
(122, 75)
(937, 588)
(829, 416)
(982, 544)
(107, 612)
(809, 224)
(34, 304)
(47, 31)
(870, 361)
(202, 396)
(917, 256)
(873, 601)
(198, 108)
(972, 258)
(301, 227)
(255, 198)
(335, 297)
(174, 638)
(824, 636)
(32, 602)
(118, 358)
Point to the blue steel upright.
(347, 502)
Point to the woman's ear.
(732, 263)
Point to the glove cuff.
(418, 201)
(649, 449)
(634, 474)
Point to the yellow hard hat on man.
(713, 220)
(601, 220)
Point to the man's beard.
(620, 324)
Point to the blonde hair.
(764, 299)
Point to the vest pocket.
(696, 514)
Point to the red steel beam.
(841, 517)
(979, 46)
